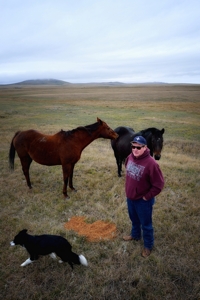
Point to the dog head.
(19, 239)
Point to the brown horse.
(63, 148)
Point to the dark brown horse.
(63, 148)
(122, 146)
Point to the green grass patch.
(116, 269)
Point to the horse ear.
(98, 120)
(163, 130)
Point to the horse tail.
(12, 152)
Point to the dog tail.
(83, 260)
(78, 259)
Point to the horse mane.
(88, 128)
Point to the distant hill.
(56, 82)
(42, 82)
(61, 82)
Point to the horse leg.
(65, 187)
(71, 180)
(119, 166)
(66, 176)
(26, 162)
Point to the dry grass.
(116, 269)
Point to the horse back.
(24, 140)
(121, 146)
(42, 148)
(123, 130)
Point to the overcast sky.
(100, 40)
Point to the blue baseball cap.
(139, 140)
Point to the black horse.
(122, 146)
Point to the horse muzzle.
(115, 136)
(157, 157)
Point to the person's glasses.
(136, 147)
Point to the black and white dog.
(47, 244)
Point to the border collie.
(47, 244)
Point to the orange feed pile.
(94, 232)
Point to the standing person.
(144, 181)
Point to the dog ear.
(24, 231)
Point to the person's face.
(138, 149)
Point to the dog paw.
(27, 262)
(52, 255)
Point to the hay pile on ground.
(94, 232)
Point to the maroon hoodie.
(143, 177)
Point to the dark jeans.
(140, 213)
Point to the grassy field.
(116, 269)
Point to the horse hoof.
(66, 197)
(73, 190)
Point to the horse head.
(157, 143)
(105, 131)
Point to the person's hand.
(144, 198)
